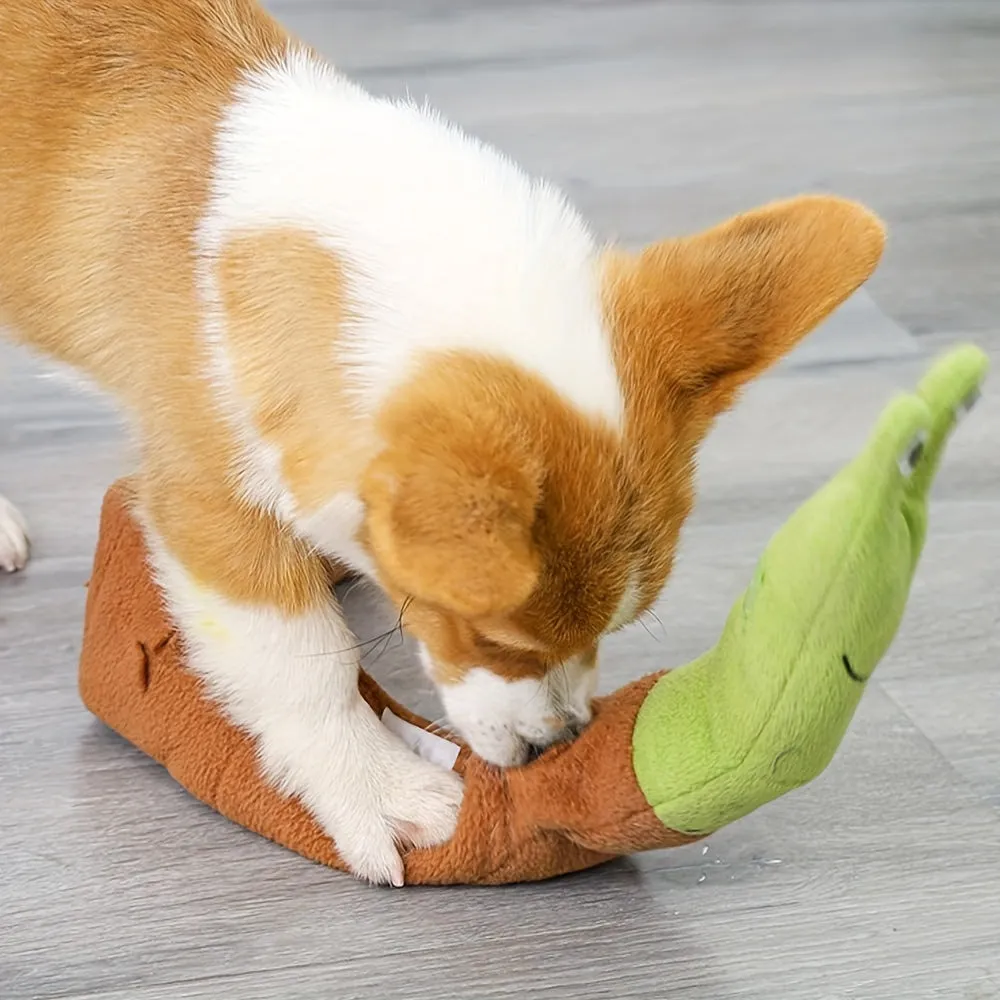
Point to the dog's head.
(515, 530)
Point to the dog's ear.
(453, 525)
(710, 312)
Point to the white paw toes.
(403, 802)
(423, 805)
(370, 850)
(13, 537)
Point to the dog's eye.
(910, 458)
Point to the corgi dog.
(346, 334)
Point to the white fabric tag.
(435, 749)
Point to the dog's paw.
(423, 803)
(406, 802)
(13, 538)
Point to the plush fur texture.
(347, 333)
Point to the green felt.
(765, 710)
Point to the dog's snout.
(510, 722)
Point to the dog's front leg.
(288, 675)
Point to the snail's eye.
(967, 404)
(910, 458)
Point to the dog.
(345, 332)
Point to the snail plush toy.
(667, 759)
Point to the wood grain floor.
(882, 879)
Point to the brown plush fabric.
(574, 808)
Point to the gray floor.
(881, 880)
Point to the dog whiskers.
(367, 646)
(649, 631)
(352, 586)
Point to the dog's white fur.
(523, 713)
(13, 537)
(404, 198)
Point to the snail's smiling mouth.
(851, 671)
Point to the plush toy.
(667, 759)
